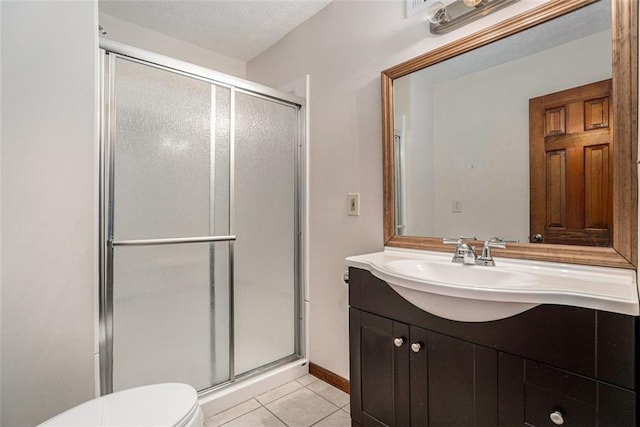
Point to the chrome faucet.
(485, 257)
(469, 256)
(465, 253)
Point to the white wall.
(135, 35)
(47, 175)
(344, 48)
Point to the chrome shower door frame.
(110, 51)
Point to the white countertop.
(601, 288)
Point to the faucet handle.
(485, 258)
(500, 239)
(458, 241)
(450, 241)
(494, 244)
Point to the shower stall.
(201, 190)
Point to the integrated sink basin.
(450, 274)
(430, 281)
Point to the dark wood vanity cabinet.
(410, 368)
(406, 374)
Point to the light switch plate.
(354, 204)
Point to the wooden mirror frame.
(623, 252)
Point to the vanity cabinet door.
(379, 370)
(404, 375)
(453, 382)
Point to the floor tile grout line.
(334, 404)
(315, 393)
(280, 419)
(241, 415)
(338, 408)
(284, 395)
(274, 400)
(320, 420)
(328, 415)
(303, 386)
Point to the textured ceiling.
(240, 29)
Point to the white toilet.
(158, 405)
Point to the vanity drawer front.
(530, 392)
(551, 393)
(542, 404)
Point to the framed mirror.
(460, 125)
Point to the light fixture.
(437, 13)
(444, 18)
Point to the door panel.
(169, 167)
(189, 158)
(570, 166)
(384, 371)
(446, 367)
(162, 325)
(419, 362)
(265, 304)
(597, 186)
(596, 114)
(467, 371)
(556, 188)
(164, 129)
(377, 367)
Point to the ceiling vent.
(415, 6)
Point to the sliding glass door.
(265, 218)
(201, 229)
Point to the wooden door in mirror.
(570, 143)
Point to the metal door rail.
(172, 241)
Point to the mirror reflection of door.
(571, 147)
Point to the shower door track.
(198, 72)
(107, 243)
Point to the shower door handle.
(172, 241)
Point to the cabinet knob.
(416, 347)
(398, 342)
(556, 418)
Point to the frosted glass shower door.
(169, 179)
(265, 273)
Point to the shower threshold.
(251, 384)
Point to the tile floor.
(304, 402)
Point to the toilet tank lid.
(166, 405)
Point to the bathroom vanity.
(551, 364)
(545, 337)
